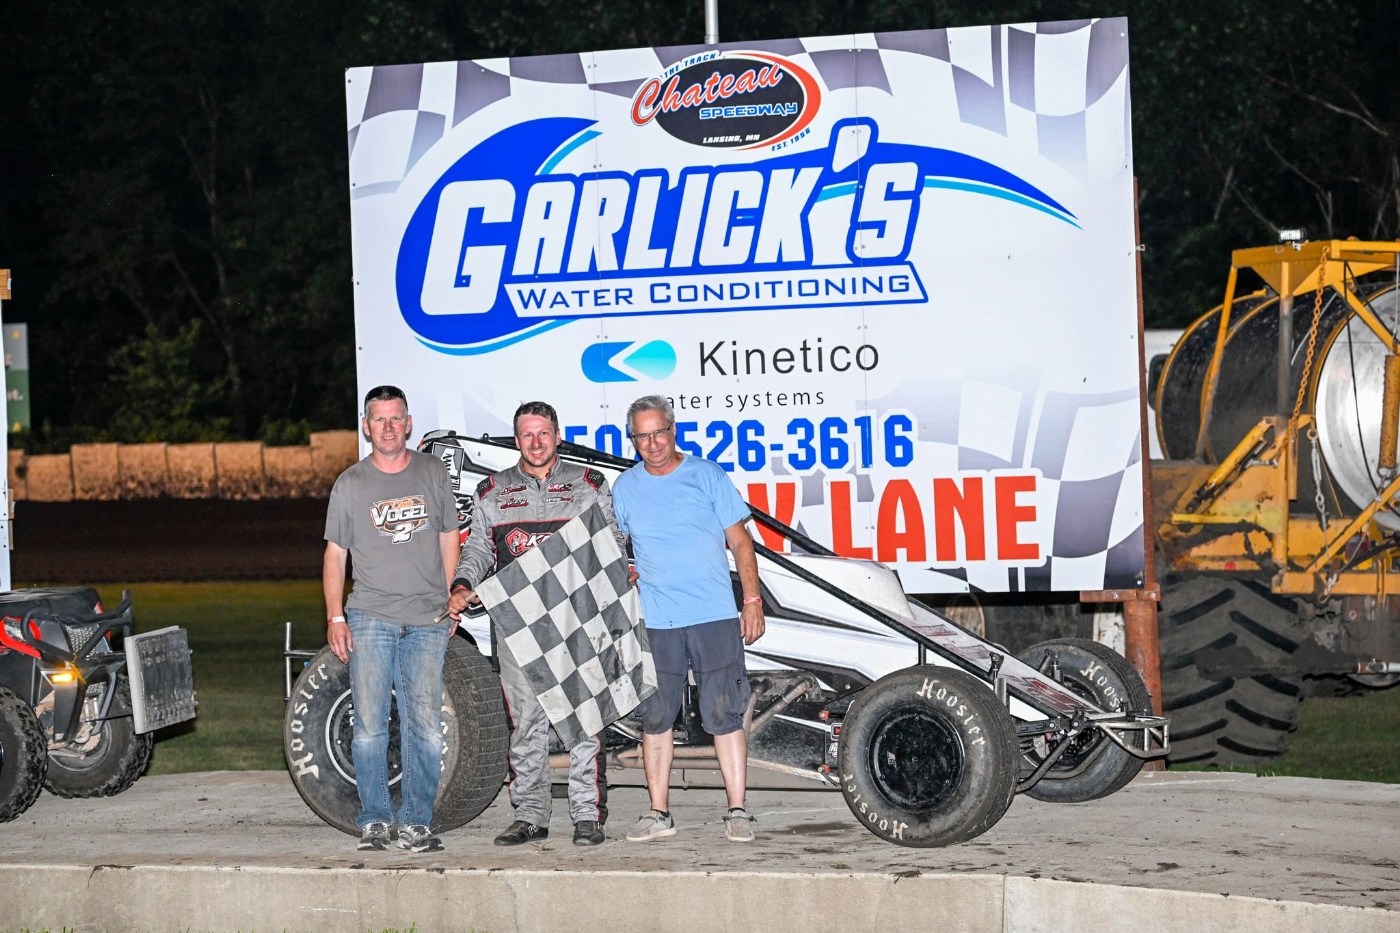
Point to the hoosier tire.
(23, 756)
(110, 766)
(1209, 623)
(928, 757)
(319, 726)
(1103, 676)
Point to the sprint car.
(928, 730)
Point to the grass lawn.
(1346, 739)
(236, 632)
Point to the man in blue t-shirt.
(681, 512)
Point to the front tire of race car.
(1105, 678)
(319, 727)
(928, 757)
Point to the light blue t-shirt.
(677, 523)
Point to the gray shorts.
(715, 652)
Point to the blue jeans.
(402, 662)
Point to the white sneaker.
(653, 825)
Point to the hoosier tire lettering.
(894, 828)
(319, 726)
(1092, 766)
(928, 757)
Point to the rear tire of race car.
(928, 757)
(1104, 677)
(113, 764)
(318, 729)
(23, 756)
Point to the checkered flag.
(573, 623)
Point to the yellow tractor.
(1277, 511)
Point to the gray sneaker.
(738, 825)
(374, 836)
(418, 838)
(653, 825)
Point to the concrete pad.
(1174, 852)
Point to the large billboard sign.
(886, 280)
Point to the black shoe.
(521, 832)
(588, 833)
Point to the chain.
(1312, 339)
(1318, 500)
(1330, 580)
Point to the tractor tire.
(319, 727)
(1218, 719)
(928, 757)
(109, 765)
(23, 756)
(1104, 677)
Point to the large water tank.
(1344, 389)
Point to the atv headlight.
(62, 676)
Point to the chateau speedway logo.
(399, 518)
(501, 248)
(730, 100)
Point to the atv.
(927, 730)
(81, 695)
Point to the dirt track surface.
(134, 541)
(1298, 839)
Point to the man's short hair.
(385, 394)
(651, 403)
(539, 410)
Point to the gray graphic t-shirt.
(390, 523)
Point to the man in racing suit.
(516, 509)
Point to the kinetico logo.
(730, 100)
(502, 247)
(655, 359)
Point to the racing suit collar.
(532, 478)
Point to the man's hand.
(741, 546)
(338, 637)
(751, 622)
(459, 600)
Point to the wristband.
(333, 619)
(750, 600)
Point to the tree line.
(173, 172)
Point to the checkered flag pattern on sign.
(566, 613)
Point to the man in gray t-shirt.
(395, 513)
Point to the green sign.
(17, 376)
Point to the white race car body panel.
(810, 628)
